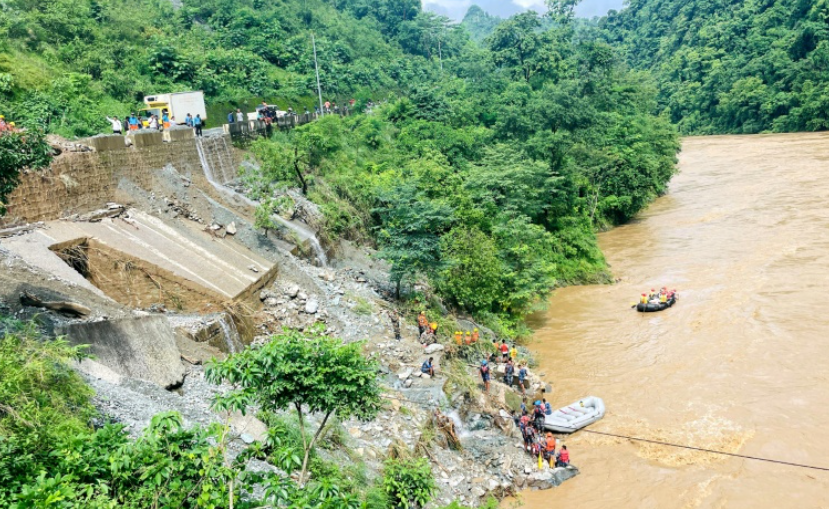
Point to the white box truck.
(178, 105)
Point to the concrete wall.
(143, 348)
(80, 182)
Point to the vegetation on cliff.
(492, 179)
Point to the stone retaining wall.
(81, 182)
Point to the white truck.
(177, 104)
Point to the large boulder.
(143, 348)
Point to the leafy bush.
(408, 483)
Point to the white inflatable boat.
(574, 417)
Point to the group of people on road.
(134, 123)
(662, 296)
(538, 442)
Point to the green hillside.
(68, 63)
(727, 66)
(522, 145)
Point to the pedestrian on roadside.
(240, 117)
(133, 122)
(153, 122)
(188, 120)
(117, 127)
(230, 118)
(197, 124)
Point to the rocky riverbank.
(470, 438)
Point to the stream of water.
(740, 364)
(303, 234)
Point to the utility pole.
(317, 70)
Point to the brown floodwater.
(740, 364)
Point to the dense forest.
(491, 180)
(728, 66)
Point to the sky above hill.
(456, 9)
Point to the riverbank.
(181, 256)
(738, 365)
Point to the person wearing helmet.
(468, 338)
(485, 374)
(3, 125)
(644, 298)
(653, 295)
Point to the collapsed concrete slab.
(143, 348)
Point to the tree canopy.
(731, 67)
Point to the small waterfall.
(460, 430)
(304, 234)
(231, 333)
(226, 152)
(208, 171)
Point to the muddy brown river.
(740, 364)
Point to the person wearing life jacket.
(663, 298)
(653, 295)
(504, 351)
(644, 299)
(3, 125)
(550, 449)
(422, 322)
(513, 353)
(563, 457)
(458, 337)
(433, 327)
(468, 338)
(485, 374)
(475, 335)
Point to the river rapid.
(740, 364)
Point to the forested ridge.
(728, 66)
